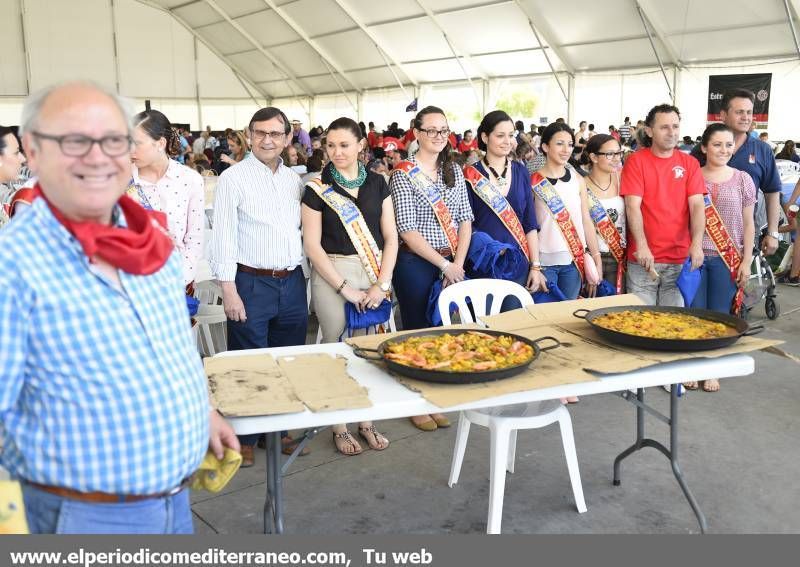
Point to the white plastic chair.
(504, 422)
(210, 316)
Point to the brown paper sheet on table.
(550, 369)
(242, 386)
(322, 383)
(596, 353)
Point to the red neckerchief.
(142, 248)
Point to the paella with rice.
(664, 325)
(471, 351)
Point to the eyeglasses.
(433, 132)
(78, 145)
(259, 135)
(611, 155)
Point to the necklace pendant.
(501, 181)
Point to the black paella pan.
(738, 328)
(448, 377)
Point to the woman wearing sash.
(11, 160)
(434, 220)
(504, 207)
(349, 235)
(162, 184)
(733, 196)
(566, 227)
(603, 155)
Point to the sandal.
(343, 441)
(376, 441)
(288, 445)
(711, 385)
(691, 385)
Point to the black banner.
(759, 83)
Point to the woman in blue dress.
(509, 183)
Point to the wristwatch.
(776, 235)
(385, 286)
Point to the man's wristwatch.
(776, 235)
(385, 286)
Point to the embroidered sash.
(608, 231)
(498, 204)
(24, 195)
(719, 235)
(135, 192)
(355, 225)
(547, 193)
(440, 210)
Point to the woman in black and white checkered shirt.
(425, 252)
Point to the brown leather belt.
(105, 497)
(443, 252)
(268, 273)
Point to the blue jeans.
(50, 514)
(277, 315)
(412, 281)
(567, 278)
(716, 286)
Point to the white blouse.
(180, 193)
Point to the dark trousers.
(277, 315)
(413, 278)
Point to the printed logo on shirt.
(678, 171)
(752, 158)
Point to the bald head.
(77, 138)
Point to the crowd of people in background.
(426, 202)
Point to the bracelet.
(535, 264)
(445, 265)
(341, 287)
(536, 269)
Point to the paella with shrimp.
(663, 325)
(471, 351)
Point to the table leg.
(671, 453)
(273, 504)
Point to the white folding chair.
(504, 422)
(210, 317)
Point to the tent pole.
(114, 42)
(791, 26)
(549, 62)
(388, 65)
(197, 86)
(341, 88)
(25, 40)
(570, 98)
(655, 51)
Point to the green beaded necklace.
(355, 183)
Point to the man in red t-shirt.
(663, 190)
(372, 136)
(468, 143)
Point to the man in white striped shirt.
(256, 248)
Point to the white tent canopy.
(215, 61)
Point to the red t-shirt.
(372, 139)
(664, 184)
(465, 147)
(452, 140)
(408, 137)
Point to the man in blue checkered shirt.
(104, 411)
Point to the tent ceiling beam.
(546, 56)
(244, 33)
(235, 68)
(643, 17)
(791, 17)
(659, 33)
(387, 57)
(542, 29)
(432, 60)
(326, 58)
(478, 94)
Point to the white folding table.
(390, 400)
